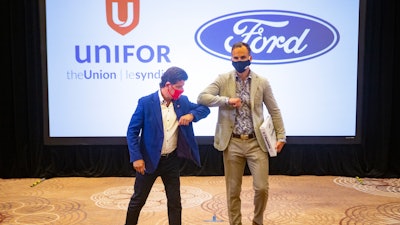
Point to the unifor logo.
(275, 37)
(122, 15)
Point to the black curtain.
(23, 153)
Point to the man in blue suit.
(159, 132)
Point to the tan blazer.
(261, 95)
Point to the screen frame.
(204, 140)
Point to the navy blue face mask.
(241, 66)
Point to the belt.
(244, 136)
(168, 154)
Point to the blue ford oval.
(274, 36)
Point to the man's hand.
(186, 119)
(235, 102)
(279, 146)
(139, 166)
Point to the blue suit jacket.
(145, 133)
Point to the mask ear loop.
(169, 92)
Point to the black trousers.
(168, 170)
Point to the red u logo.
(122, 15)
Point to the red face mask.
(177, 93)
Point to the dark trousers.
(168, 169)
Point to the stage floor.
(319, 200)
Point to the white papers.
(268, 132)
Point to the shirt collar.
(248, 77)
(162, 101)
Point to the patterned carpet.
(311, 200)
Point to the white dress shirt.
(170, 124)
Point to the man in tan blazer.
(241, 95)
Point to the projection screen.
(101, 56)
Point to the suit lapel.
(253, 89)
(177, 108)
(232, 85)
(156, 105)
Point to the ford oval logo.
(275, 37)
